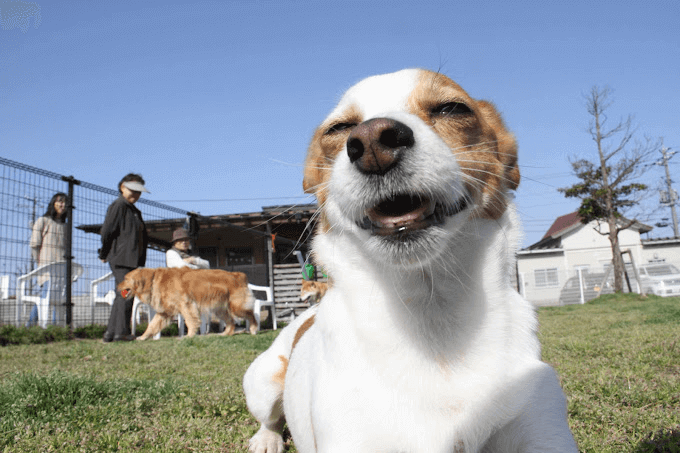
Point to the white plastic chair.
(138, 305)
(95, 298)
(203, 328)
(259, 304)
(4, 287)
(56, 290)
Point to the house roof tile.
(562, 223)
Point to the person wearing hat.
(180, 256)
(180, 253)
(124, 242)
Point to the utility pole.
(672, 195)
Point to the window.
(659, 270)
(546, 277)
(239, 256)
(210, 254)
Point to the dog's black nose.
(376, 146)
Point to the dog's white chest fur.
(421, 344)
(424, 364)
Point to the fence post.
(580, 284)
(69, 249)
(270, 255)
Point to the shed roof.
(254, 223)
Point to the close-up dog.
(313, 291)
(191, 292)
(422, 344)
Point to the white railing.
(580, 285)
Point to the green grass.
(162, 396)
(619, 363)
(11, 335)
(618, 359)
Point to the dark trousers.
(121, 311)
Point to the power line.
(235, 199)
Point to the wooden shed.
(261, 244)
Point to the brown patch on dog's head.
(327, 142)
(506, 153)
(486, 150)
(137, 283)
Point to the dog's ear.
(316, 171)
(311, 178)
(506, 144)
(313, 174)
(138, 280)
(146, 278)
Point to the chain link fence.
(579, 285)
(25, 195)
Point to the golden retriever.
(189, 292)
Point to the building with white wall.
(544, 268)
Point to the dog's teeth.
(426, 214)
(430, 210)
(437, 216)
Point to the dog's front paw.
(266, 441)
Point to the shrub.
(92, 331)
(33, 335)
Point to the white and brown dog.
(313, 291)
(421, 344)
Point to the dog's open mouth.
(407, 213)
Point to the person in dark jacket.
(124, 242)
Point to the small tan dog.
(189, 292)
(313, 290)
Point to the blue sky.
(217, 101)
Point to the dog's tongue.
(401, 211)
(395, 221)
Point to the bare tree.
(608, 186)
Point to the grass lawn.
(618, 360)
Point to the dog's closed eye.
(339, 127)
(450, 109)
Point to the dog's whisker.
(311, 224)
(482, 182)
(288, 164)
(288, 211)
